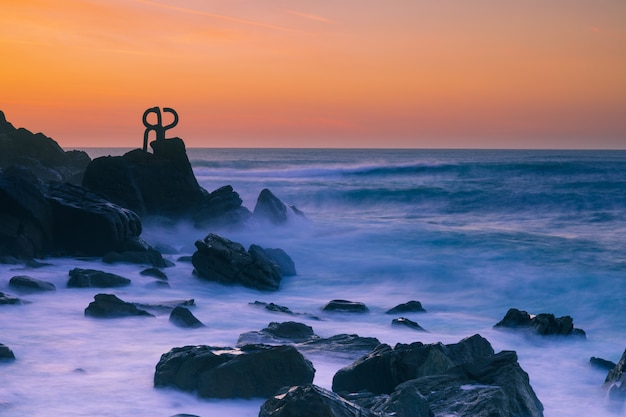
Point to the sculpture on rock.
(158, 127)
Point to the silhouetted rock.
(26, 226)
(182, 317)
(408, 307)
(280, 258)
(542, 324)
(282, 309)
(109, 306)
(278, 333)
(310, 401)
(162, 307)
(252, 371)
(83, 278)
(350, 344)
(9, 299)
(219, 259)
(404, 322)
(26, 283)
(346, 306)
(271, 209)
(6, 354)
(39, 155)
(86, 224)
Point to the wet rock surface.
(543, 324)
(92, 278)
(109, 306)
(29, 284)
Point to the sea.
(468, 233)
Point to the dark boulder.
(109, 306)
(88, 278)
(603, 364)
(282, 309)
(542, 324)
(155, 273)
(404, 322)
(28, 284)
(182, 317)
(384, 368)
(9, 299)
(219, 259)
(85, 224)
(6, 354)
(252, 371)
(26, 221)
(39, 155)
(408, 307)
(310, 401)
(270, 209)
(346, 306)
(279, 333)
(615, 382)
(280, 258)
(221, 207)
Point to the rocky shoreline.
(57, 203)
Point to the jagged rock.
(155, 273)
(9, 299)
(542, 324)
(384, 368)
(26, 283)
(221, 207)
(82, 278)
(219, 259)
(269, 208)
(182, 317)
(346, 306)
(39, 155)
(109, 306)
(404, 322)
(615, 381)
(310, 401)
(252, 371)
(342, 343)
(406, 401)
(408, 307)
(602, 363)
(88, 225)
(6, 354)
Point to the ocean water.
(469, 233)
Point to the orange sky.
(319, 73)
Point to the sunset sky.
(319, 73)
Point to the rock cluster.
(541, 324)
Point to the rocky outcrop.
(92, 278)
(29, 284)
(6, 354)
(310, 401)
(182, 317)
(404, 322)
(219, 259)
(109, 306)
(346, 306)
(39, 155)
(615, 382)
(408, 307)
(541, 324)
(278, 333)
(252, 371)
(221, 207)
(270, 208)
(279, 257)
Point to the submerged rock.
(615, 382)
(6, 354)
(279, 333)
(83, 278)
(602, 363)
(346, 306)
(219, 259)
(147, 257)
(404, 322)
(109, 306)
(350, 344)
(542, 324)
(9, 299)
(182, 317)
(30, 284)
(271, 209)
(310, 401)
(408, 307)
(252, 371)
(155, 273)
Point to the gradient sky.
(319, 73)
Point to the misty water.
(470, 234)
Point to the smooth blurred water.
(468, 233)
